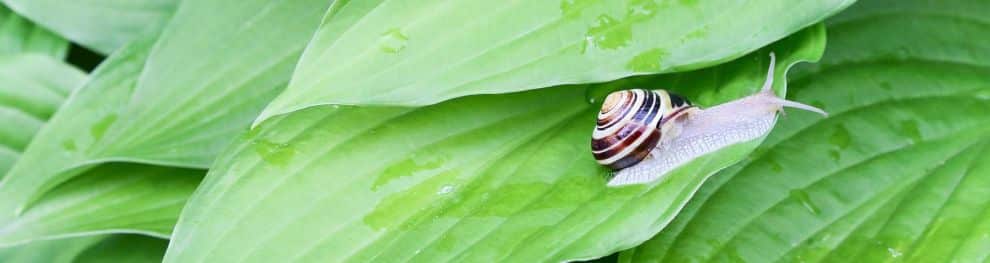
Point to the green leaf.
(416, 52)
(477, 179)
(152, 103)
(18, 35)
(102, 25)
(32, 87)
(125, 249)
(899, 172)
(52, 251)
(110, 248)
(111, 198)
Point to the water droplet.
(393, 41)
(411, 166)
(910, 129)
(840, 140)
(802, 197)
(894, 253)
(648, 61)
(278, 154)
(446, 189)
(641, 9)
(886, 86)
(609, 33)
(100, 127)
(596, 95)
(774, 165)
(69, 145)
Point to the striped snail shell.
(633, 122)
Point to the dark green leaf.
(90, 249)
(901, 170)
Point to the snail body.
(643, 134)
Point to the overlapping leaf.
(416, 52)
(176, 101)
(482, 178)
(103, 25)
(109, 248)
(32, 86)
(900, 172)
(18, 35)
(112, 198)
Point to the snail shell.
(633, 122)
(644, 134)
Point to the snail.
(643, 134)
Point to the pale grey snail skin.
(703, 131)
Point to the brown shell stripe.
(636, 138)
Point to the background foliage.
(398, 130)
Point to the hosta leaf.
(477, 179)
(901, 170)
(32, 87)
(176, 101)
(103, 25)
(54, 251)
(416, 52)
(109, 248)
(18, 35)
(118, 198)
(111, 198)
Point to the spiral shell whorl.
(628, 126)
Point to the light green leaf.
(112, 198)
(18, 35)
(110, 248)
(51, 251)
(420, 52)
(899, 172)
(485, 178)
(176, 101)
(32, 87)
(102, 25)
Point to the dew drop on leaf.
(909, 128)
(278, 154)
(69, 145)
(840, 140)
(609, 33)
(802, 197)
(100, 127)
(393, 41)
(648, 61)
(641, 9)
